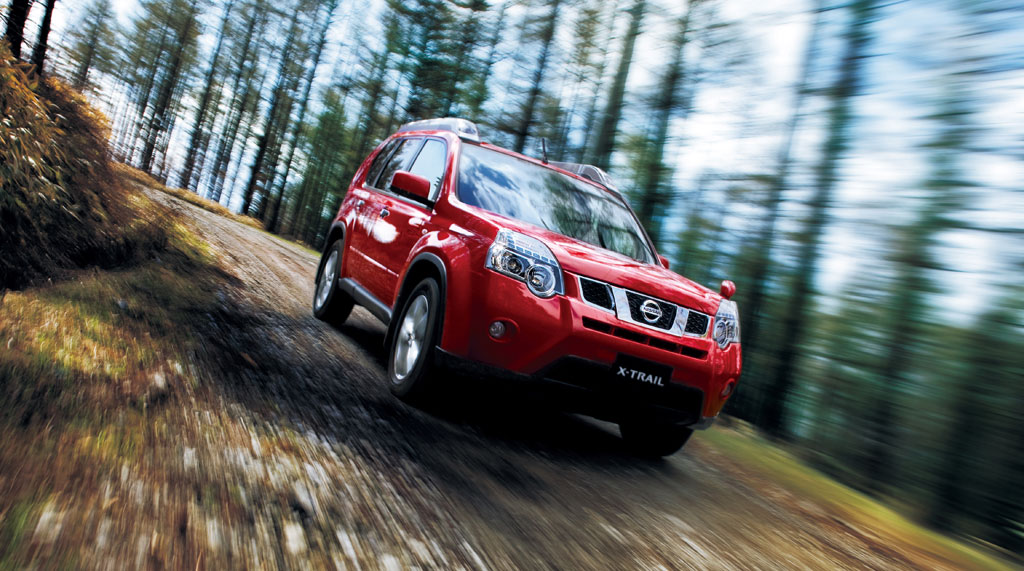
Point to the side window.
(430, 164)
(378, 162)
(398, 161)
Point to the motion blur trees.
(92, 43)
(847, 84)
(14, 33)
(601, 154)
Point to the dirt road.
(294, 454)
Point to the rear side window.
(378, 162)
(430, 164)
(401, 157)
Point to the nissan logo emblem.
(650, 310)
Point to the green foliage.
(92, 44)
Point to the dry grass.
(139, 177)
(61, 205)
(765, 464)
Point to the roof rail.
(590, 172)
(462, 127)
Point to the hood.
(592, 261)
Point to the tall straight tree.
(464, 64)
(476, 94)
(91, 42)
(183, 14)
(269, 139)
(39, 50)
(600, 67)
(652, 196)
(601, 155)
(200, 128)
(17, 15)
(840, 119)
(245, 87)
(274, 214)
(757, 265)
(915, 260)
(765, 239)
(528, 112)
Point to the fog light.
(497, 329)
(727, 390)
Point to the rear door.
(362, 216)
(404, 220)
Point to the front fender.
(454, 253)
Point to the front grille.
(597, 293)
(696, 323)
(628, 306)
(668, 311)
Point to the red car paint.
(384, 233)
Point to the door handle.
(384, 212)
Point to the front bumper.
(571, 346)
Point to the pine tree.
(270, 138)
(846, 87)
(529, 108)
(652, 198)
(183, 16)
(91, 43)
(17, 15)
(39, 50)
(275, 208)
(200, 126)
(601, 154)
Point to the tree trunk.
(199, 125)
(39, 51)
(773, 417)
(605, 142)
(160, 121)
(654, 200)
(529, 108)
(268, 138)
(275, 208)
(589, 116)
(16, 17)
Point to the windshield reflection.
(536, 195)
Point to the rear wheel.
(330, 304)
(410, 364)
(653, 440)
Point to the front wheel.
(653, 440)
(410, 365)
(330, 304)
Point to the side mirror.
(728, 289)
(412, 185)
(664, 261)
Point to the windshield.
(543, 197)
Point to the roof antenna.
(544, 148)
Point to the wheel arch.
(424, 265)
(337, 232)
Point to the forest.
(854, 166)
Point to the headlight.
(528, 260)
(727, 324)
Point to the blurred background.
(855, 167)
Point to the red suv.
(478, 257)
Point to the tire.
(417, 331)
(330, 303)
(653, 440)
